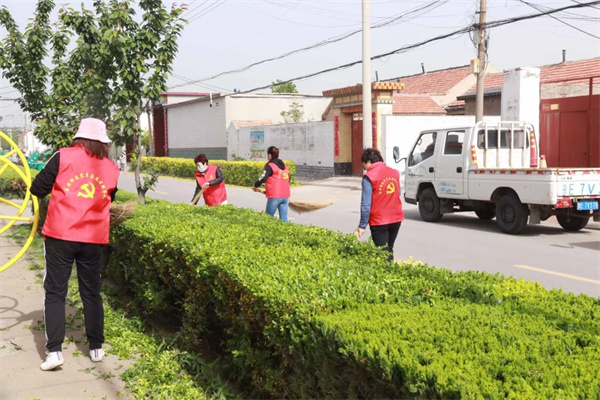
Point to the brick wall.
(492, 105)
(311, 172)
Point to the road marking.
(545, 271)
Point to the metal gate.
(570, 126)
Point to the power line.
(205, 85)
(206, 11)
(488, 25)
(578, 2)
(410, 14)
(535, 7)
(189, 5)
(318, 11)
(189, 12)
(298, 23)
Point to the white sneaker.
(97, 355)
(53, 360)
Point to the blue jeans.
(281, 204)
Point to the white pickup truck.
(492, 169)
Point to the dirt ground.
(22, 341)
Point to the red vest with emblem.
(386, 206)
(278, 184)
(79, 208)
(213, 195)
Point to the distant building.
(434, 92)
(199, 125)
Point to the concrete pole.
(481, 56)
(366, 81)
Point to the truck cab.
(492, 169)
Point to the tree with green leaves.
(294, 114)
(101, 63)
(279, 87)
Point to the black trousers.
(385, 236)
(60, 255)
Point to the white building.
(200, 125)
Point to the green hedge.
(456, 350)
(242, 173)
(11, 184)
(306, 312)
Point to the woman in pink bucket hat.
(82, 181)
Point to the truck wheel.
(486, 212)
(511, 214)
(429, 206)
(570, 222)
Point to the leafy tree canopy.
(279, 87)
(100, 62)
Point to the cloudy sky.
(226, 35)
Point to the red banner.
(336, 136)
(374, 129)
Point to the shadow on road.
(585, 245)
(467, 221)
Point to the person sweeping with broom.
(210, 183)
(82, 181)
(380, 206)
(276, 177)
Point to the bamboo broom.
(121, 212)
(304, 206)
(196, 198)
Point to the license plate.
(587, 205)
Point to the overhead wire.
(410, 14)
(205, 11)
(319, 13)
(403, 49)
(578, 2)
(203, 85)
(536, 7)
(296, 22)
(191, 11)
(187, 7)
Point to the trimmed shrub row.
(242, 173)
(306, 312)
(454, 350)
(11, 184)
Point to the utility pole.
(481, 65)
(366, 81)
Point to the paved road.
(543, 253)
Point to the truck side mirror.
(396, 152)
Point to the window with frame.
(454, 142)
(424, 148)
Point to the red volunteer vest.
(213, 195)
(386, 206)
(79, 208)
(278, 184)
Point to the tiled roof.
(358, 88)
(242, 123)
(570, 70)
(433, 82)
(416, 105)
(552, 73)
(456, 103)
